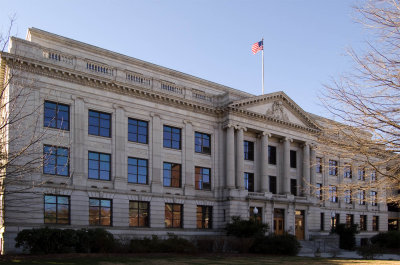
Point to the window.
(347, 171)
(361, 197)
(322, 222)
(204, 217)
(172, 175)
(293, 187)
(271, 155)
(363, 222)
(333, 194)
(173, 215)
(347, 196)
(318, 165)
(335, 220)
(56, 160)
(138, 131)
(249, 181)
(361, 174)
(139, 214)
(172, 137)
(375, 223)
(349, 220)
(257, 217)
(202, 143)
(56, 209)
(203, 178)
(333, 167)
(293, 159)
(248, 150)
(99, 123)
(99, 166)
(56, 115)
(137, 170)
(100, 212)
(272, 184)
(373, 175)
(374, 198)
(318, 191)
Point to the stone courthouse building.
(143, 150)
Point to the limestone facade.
(280, 173)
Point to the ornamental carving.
(277, 111)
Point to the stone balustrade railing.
(58, 57)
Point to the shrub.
(347, 238)
(369, 251)
(246, 228)
(95, 240)
(277, 244)
(387, 240)
(155, 245)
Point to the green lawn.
(179, 259)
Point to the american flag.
(258, 46)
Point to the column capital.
(305, 144)
(117, 106)
(241, 128)
(187, 122)
(286, 139)
(228, 125)
(152, 114)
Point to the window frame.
(333, 196)
(319, 191)
(138, 170)
(99, 127)
(56, 204)
(202, 146)
(249, 179)
(272, 180)
(199, 182)
(272, 157)
(139, 212)
(318, 165)
(56, 160)
(293, 187)
(171, 140)
(173, 215)
(361, 174)
(333, 167)
(363, 222)
(100, 216)
(293, 158)
(99, 166)
(137, 126)
(206, 211)
(347, 171)
(361, 197)
(347, 197)
(56, 116)
(349, 220)
(375, 223)
(171, 178)
(373, 197)
(248, 149)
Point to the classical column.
(313, 181)
(230, 156)
(264, 162)
(156, 150)
(286, 166)
(240, 158)
(306, 169)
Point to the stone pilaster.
(264, 162)
(240, 158)
(189, 158)
(78, 146)
(306, 169)
(119, 158)
(286, 166)
(230, 156)
(156, 181)
(313, 181)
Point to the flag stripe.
(258, 46)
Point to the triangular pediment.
(276, 106)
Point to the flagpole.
(263, 66)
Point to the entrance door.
(279, 221)
(299, 225)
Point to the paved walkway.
(349, 255)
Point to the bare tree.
(366, 104)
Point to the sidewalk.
(349, 255)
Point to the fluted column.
(312, 169)
(306, 169)
(286, 166)
(240, 158)
(264, 162)
(230, 156)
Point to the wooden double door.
(299, 225)
(279, 221)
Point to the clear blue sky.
(305, 40)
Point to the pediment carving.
(277, 111)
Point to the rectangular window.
(100, 212)
(137, 170)
(99, 123)
(374, 198)
(173, 215)
(322, 222)
(347, 171)
(361, 197)
(248, 150)
(375, 223)
(56, 160)
(204, 217)
(318, 165)
(172, 175)
(318, 191)
(203, 178)
(249, 181)
(335, 220)
(293, 159)
(139, 213)
(138, 131)
(363, 222)
(333, 167)
(99, 166)
(293, 187)
(56, 115)
(271, 155)
(347, 196)
(361, 174)
(172, 137)
(56, 209)
(333, 194)
(272, 184)
(373, 175)
(256, 214)
(349, 220)
(202, 143)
